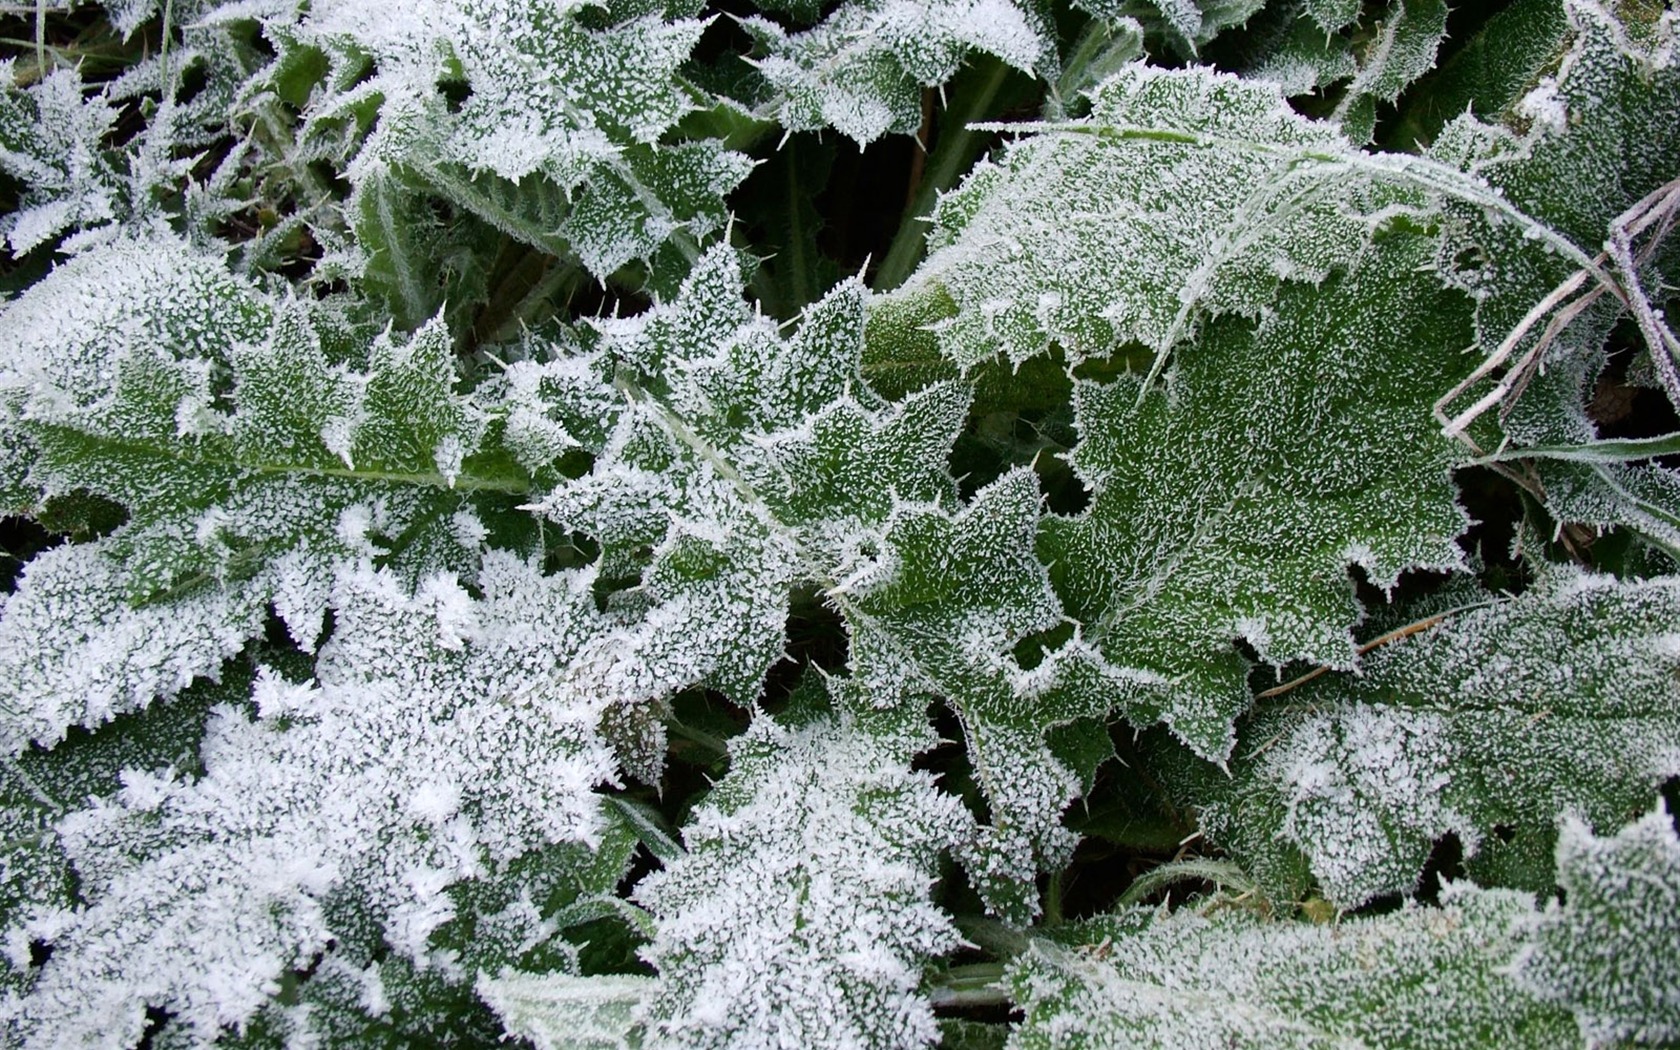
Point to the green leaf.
(1420, 977)
(799, 915)
(739, 464)
(1402, 49)
(1331, 15)
(1589, 142)
(1491, 70)
(1488, 726)
(950, 596)
(1606, 952)
(1183, 195)
(248, 455)
(863, 68)
(1207, 525)
(556, 1011)
(1187, 25)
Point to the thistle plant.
(968, 523)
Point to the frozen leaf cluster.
(451, 752)
(478, 576)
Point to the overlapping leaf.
(1184, 194)
(1597, 138)
(798, 915)
(740, 464)
(1188, 24)
(1606, 952)
(1420, 977)
(247, 453)
(1398, 49)
(1488, 726)
(863, 68)
(1232, 502)
(938, 616)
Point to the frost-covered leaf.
(451, 750)
(248, 449)
(1421, 977)
(800, 914)
(1187, 24)
(938, 616)
(516, 112)
(1331, 15)
(1307, 60)
(556, 1011)
(1401, 48)
(230, 427)
(1487, 726)
(51, 142)
(863, 68)
(85, 171)
(1209, 523)
(1607, 951)
(1184, 194)
(38, 787)
(738, 464)
(1491, 70)
(1591, 140)
(72, 652)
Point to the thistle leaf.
(1208, 525)
(1487, 726)
(1418, 977)
(799, 915)
(1183, 195)
(1606, 951)
(863, 68)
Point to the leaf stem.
(1416, 627)
(975, 984)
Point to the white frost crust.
(434, 745)
(799, 915)
(73, 651)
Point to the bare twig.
(1390, 637)
(1658, 209)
